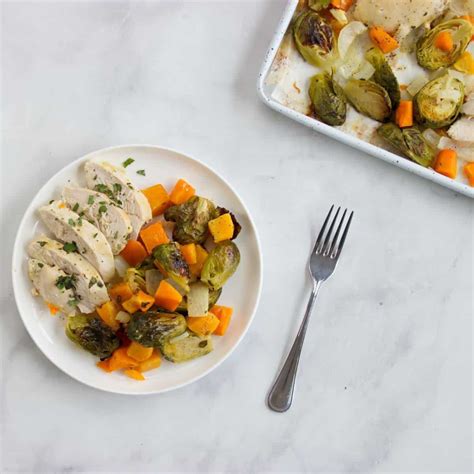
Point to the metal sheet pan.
(265, 90)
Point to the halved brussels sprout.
(438, 103)
(314, 39)
(220, 265)
(431, 57)
(384, 75)
(328, 99)
(317, 5)
(191, 220)
(186, 348)
(153, 328)
(369, 98)
(170, 261)
(92, 334)
(408, 141)
(135, 279)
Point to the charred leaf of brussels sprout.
(135, 277)
(384, 75)
(314, 39)
(214, 296)
(408, 141)
(369, 98)
(317, 5)
(328, 99)
(431, 57)
(191, 220)
(170, 261)
(220, 265)
(182, 349)
(237, 226)
(438, 103)
(92, 334)
(152, 329)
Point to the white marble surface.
(386, 376)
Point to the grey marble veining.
(385, 382)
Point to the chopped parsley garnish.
(90, 200)
(70, 247)
(73, 302)
(92, 282)
(95, 235)
(117, 187)
(40, 265)
(102, 188)
(128, 162)
(79, 221)
(42, 243)
(94, 178)
(71, 222)
(116, 234)
(141, 172)
(51, 202)
(76, 207)
(66, 282)
(102, 208)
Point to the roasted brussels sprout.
(152, 329)
(191, 220)
(314, 39)
(214, 296)
(408, 141)
(317, 5)
(186, 347)
(135, 278)
(92, 334)
(220, 265)
(369, 98)
(384, 75)
(431, 57)
(438, 103)
(170, 261)
(328, 99)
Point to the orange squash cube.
(167, 296)
(182, 191)
(158, 198)
(138, 352)
(107, 313)
(224, 314)
(120, 360)
(153, 362)
(139, 301)
(134, 374)
(134, 253)
(189, 253)
(153, 235)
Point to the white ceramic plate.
(242, 291)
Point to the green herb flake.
(42, 243)
(70, 247)
(71, 222)
(102, 209)
(66, 282)
(51, 202)
(116, 234)
(117, 187)
(73, 302)
(90, 200)
(128, 162)
(76, 207)
(40, 265)
(92, 282)
(141, 172)
(95, 235)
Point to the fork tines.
(327, 244)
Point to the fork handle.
(281, 394)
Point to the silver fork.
(322, 263)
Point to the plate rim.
(16, 250)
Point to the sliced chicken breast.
(462, 130)
(116, 185)
(398, 18)
(468, 106)
(90, 289)
(101, 211)
(68, 226)
(53, 285)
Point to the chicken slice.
(115, 183)
(90, 289)
(101, 211)
(398, 18)
(53, 285)
(468, 106)
(462, 130)
(68, 226)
